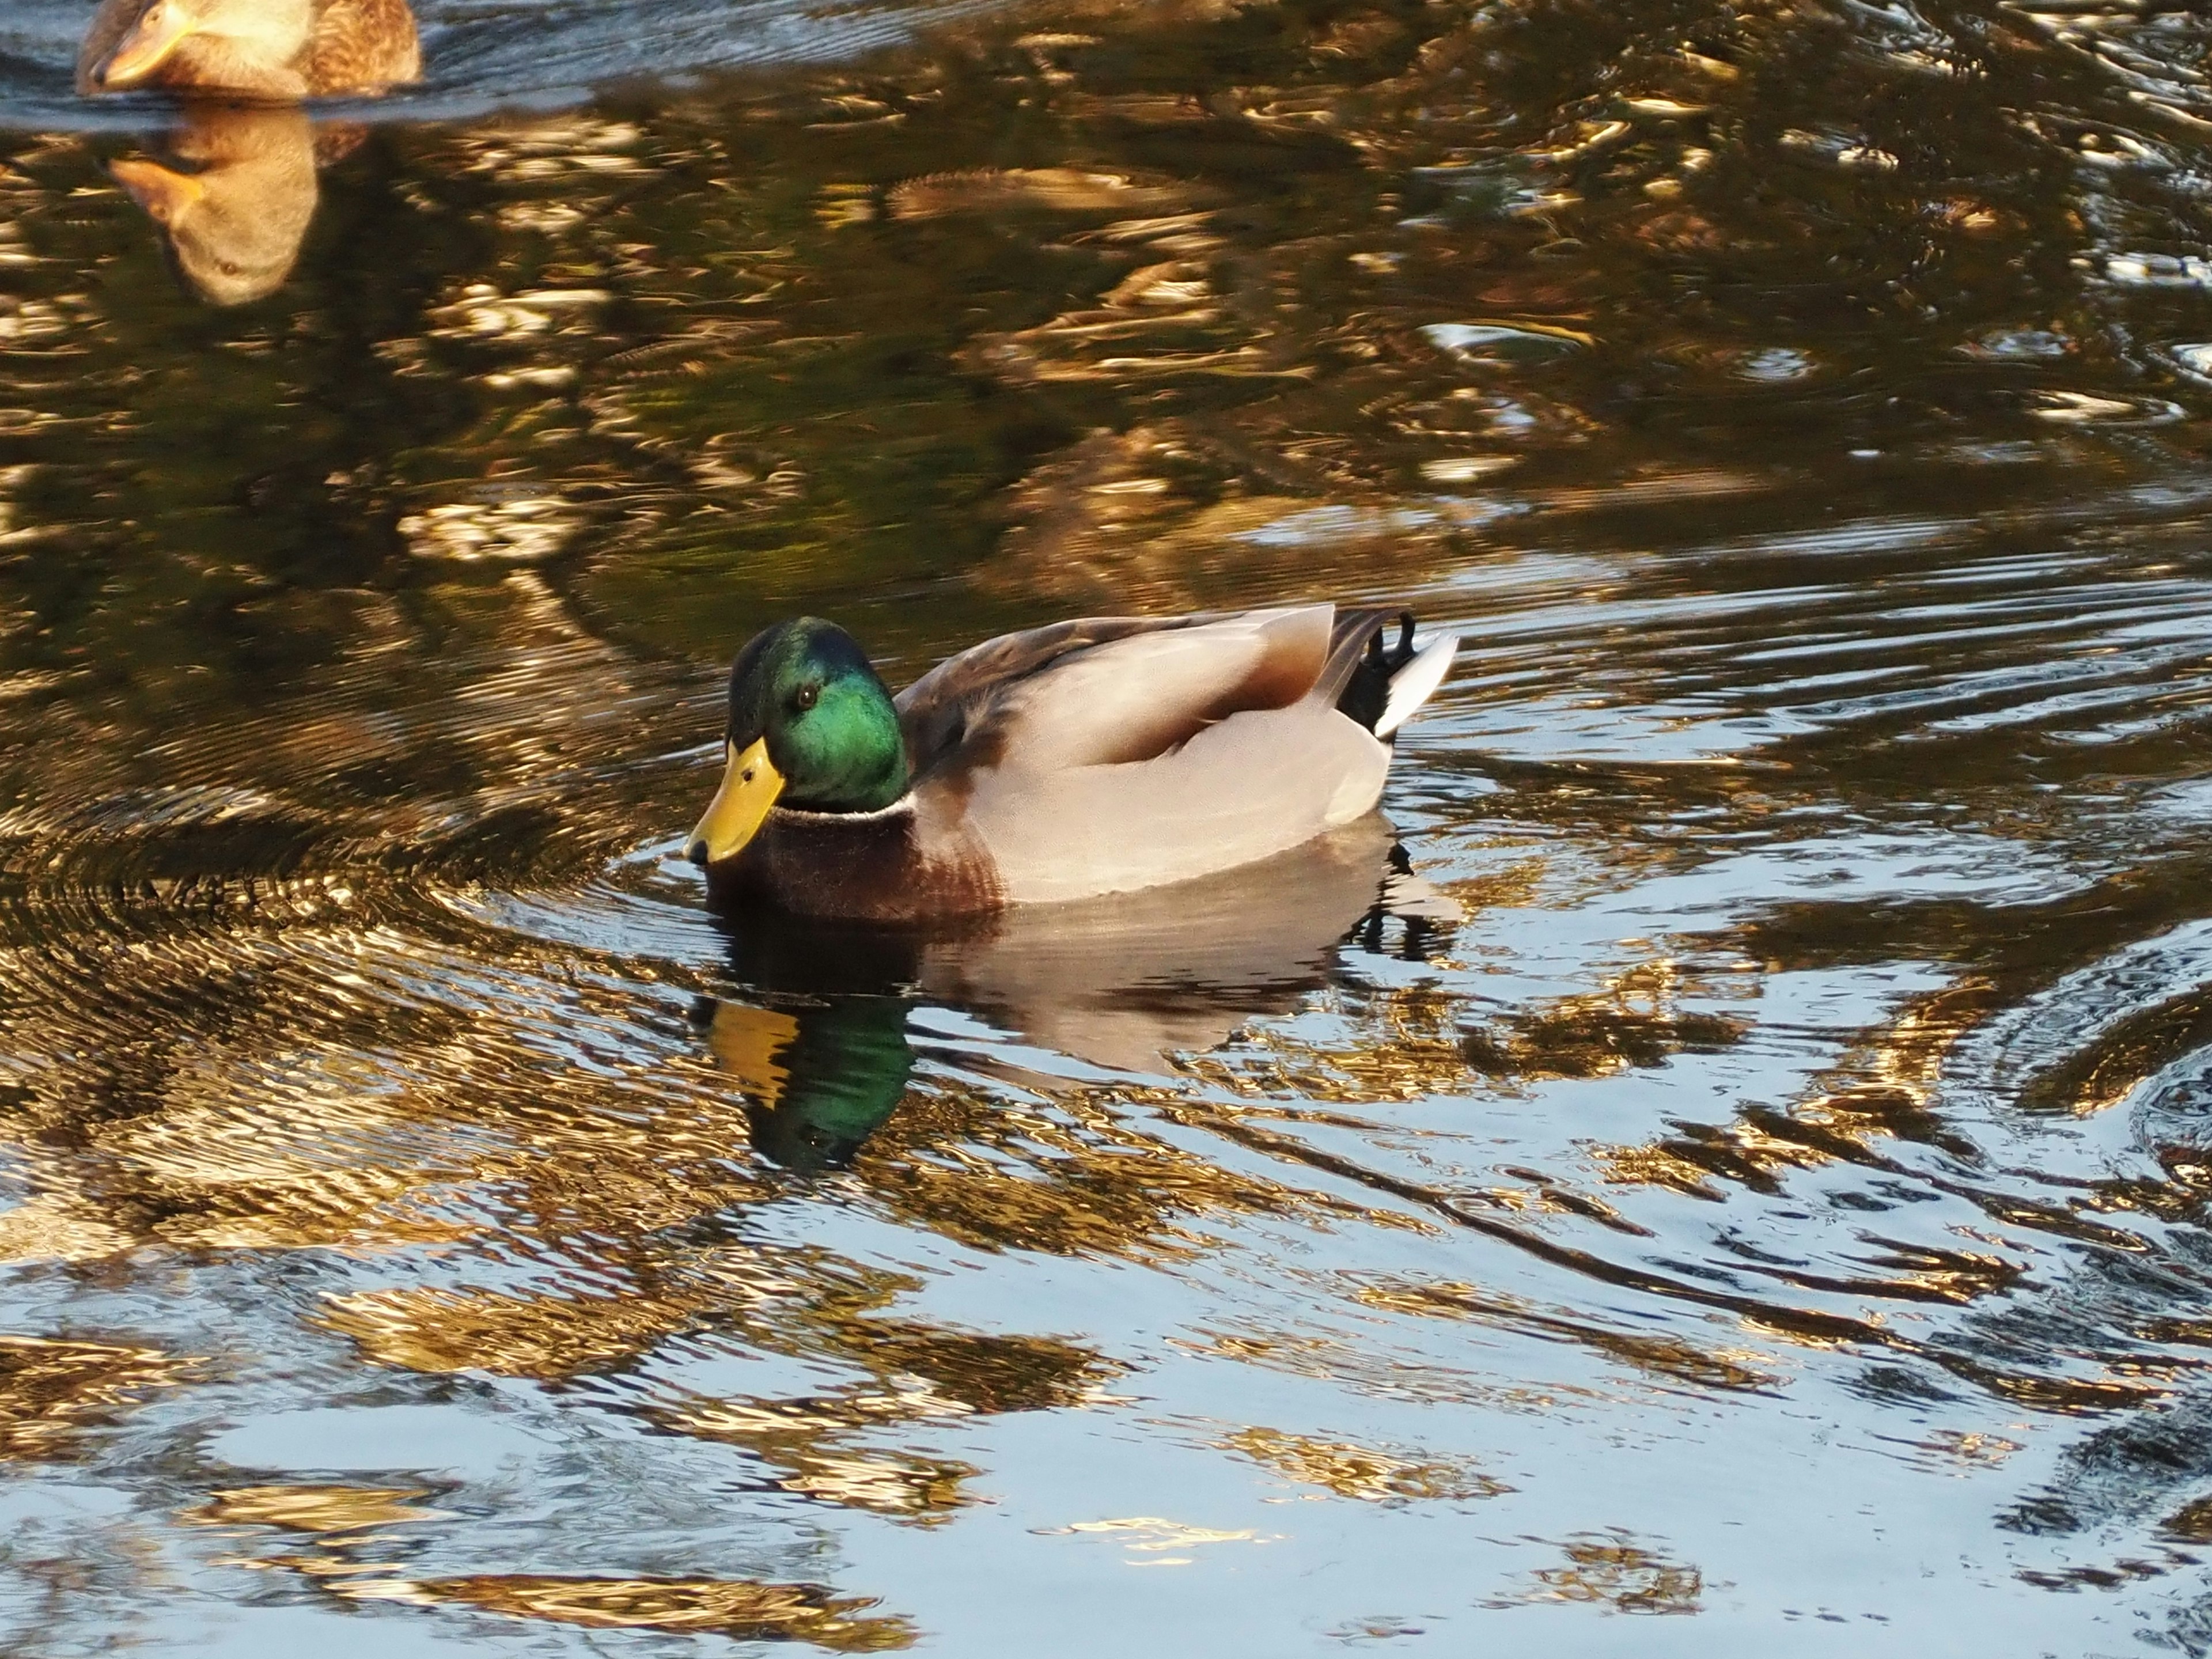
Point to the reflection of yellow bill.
(747, 1043)
(160, 31)
(164, 194)
(749, 788)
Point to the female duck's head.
(255, 31)
(812, 727)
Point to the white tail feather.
(1417, 682)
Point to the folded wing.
(1109, 690)
(1113, 756)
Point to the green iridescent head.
(810, 726)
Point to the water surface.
(1725, 1175)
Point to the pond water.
(1730, 1179)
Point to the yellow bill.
(164, 194)
(160, 31)
(750, 787)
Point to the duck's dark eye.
(804, 697)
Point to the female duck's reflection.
(821, 1040)
(234, 208)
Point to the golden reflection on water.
(1666, 1358)
(343, 956)
(323, 1510)
(1610, 1570)
(813, 1444)
(1080, 1180)
(542, 1336)
(52, 1392)
(1365, 1472)
(743, 1611)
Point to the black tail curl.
(1368, 692)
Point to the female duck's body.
(1108, 755)
(276, 50)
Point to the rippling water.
(1728, 1177)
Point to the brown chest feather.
(868, 866)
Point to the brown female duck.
(274, 50)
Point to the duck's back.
(363, 46)
(1115, 755)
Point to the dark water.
(1738, 1188)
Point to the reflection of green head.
(847, 1068)
(808, 689)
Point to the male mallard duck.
(278, 50)
(1103, 755)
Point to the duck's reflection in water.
(234, 195)
(821, 1079)
(818, 1034)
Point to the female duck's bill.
(1103, 756)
